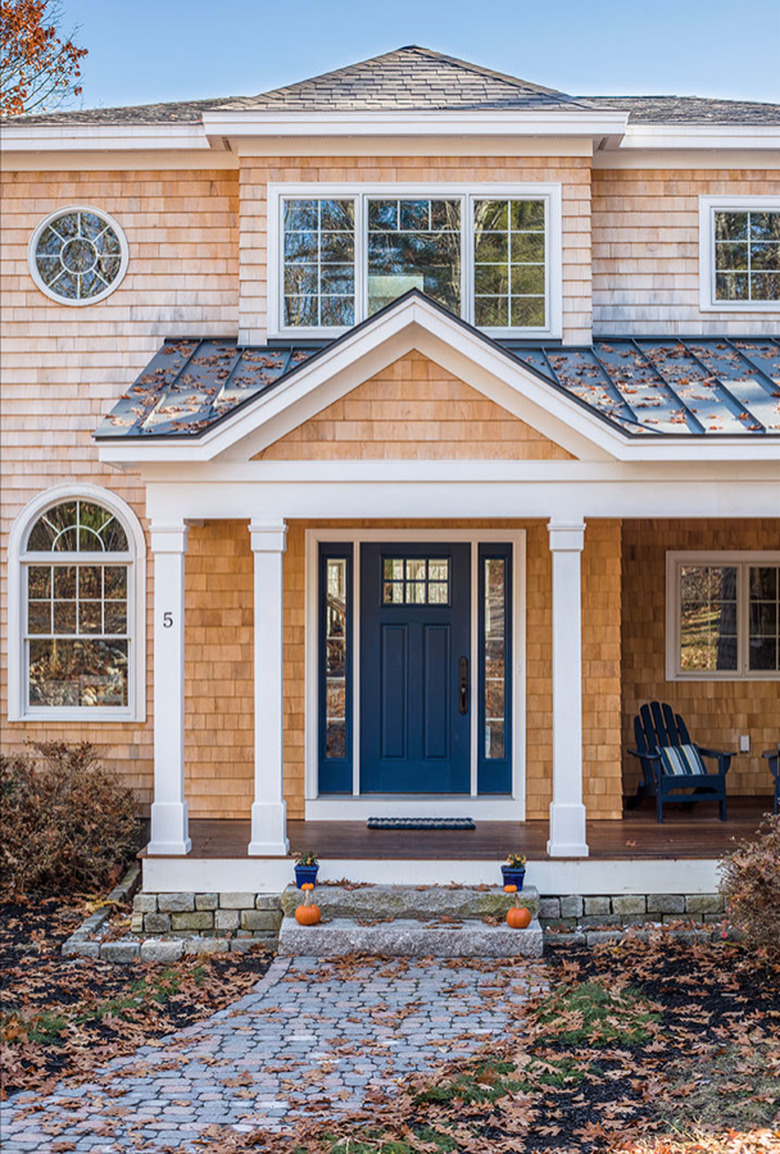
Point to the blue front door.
(414, 668)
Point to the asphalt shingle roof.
(649, 387)
(415, 79)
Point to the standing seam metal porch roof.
(649, 386)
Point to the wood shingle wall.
(414, 409)
(646, 250)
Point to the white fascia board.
(92, 137)
(712, 136)
(532, 123)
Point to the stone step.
(409, 938)
(462, 902)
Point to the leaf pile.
(66, 1017)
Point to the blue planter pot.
(304, 874)
(513, 877)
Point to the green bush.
(67, 824)
(750, 883)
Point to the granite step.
(408, 937)
(405, 902)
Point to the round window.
(78, 255)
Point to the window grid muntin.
(549, 195)
(320, 202)
(402, 230)
(426, 578)
(719, 244)
(49, 268)
(743, 561)
(511, 265)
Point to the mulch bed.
(64, 1017)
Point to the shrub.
(750, 883)
(67, 824)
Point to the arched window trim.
(18, 558)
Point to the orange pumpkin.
(518, 917)
(307, 915)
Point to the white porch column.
(169, 809)
(567, 813)
(269, 812)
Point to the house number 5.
(167, 620)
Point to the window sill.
(78, 714)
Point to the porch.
(680, 855)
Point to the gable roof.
(416, 79)
(652, 387)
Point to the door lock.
(463, 685)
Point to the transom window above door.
(489, 255)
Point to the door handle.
(463, 685)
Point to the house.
(376, 446)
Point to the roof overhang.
(102, 137)
(695, 136)
(533, 122)
(414, 323)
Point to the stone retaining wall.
(575, 912)
(208, 915)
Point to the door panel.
(415, 628)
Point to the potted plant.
(306, 867)
(513, 870)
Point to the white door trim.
(358, 808)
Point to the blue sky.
(149, 50)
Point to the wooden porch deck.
(693, 833)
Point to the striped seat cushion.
(681, 760)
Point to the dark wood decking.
(693, 833)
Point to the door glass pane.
(510, 264)
(319, 262)
(764, 618)
(414, 244)
(416, 581)
(336, 657)
(708, 618)
(494, 610)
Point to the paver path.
(313, 1032)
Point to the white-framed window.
(78, 255)
(76, 608)
(491, 254)
(739, 253)
(723, 616)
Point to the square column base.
(567, 831)
(170, 828)
(269, 830)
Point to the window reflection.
(336, 657)
(414, 244)
(494, 656)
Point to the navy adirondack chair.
(672, 763)
(773, 757)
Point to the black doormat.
(421, 823)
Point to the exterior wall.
(64, 367)
(646, 250)
(572, 172)
(414, 409)
(716, 712)
(601, 662)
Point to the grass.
(592, 1014)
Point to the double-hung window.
(723, 616)
(740, 253)
(339, 255)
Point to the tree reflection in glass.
(414, 244)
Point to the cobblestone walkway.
(313, 1032)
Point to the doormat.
(421, 823)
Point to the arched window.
(79, 608)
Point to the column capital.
(566, 537)
(268, 536)
(169, 536)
